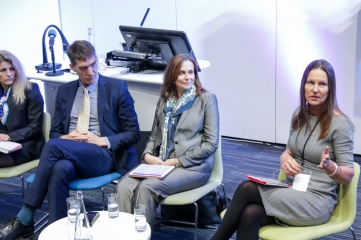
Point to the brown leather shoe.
(15, 229)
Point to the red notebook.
(267, 181)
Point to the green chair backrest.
(217, 170)
(46, 125)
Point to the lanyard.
(304, 146)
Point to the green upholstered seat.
(193, 195)
(19, 170)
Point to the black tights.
(13, 159)
(245, 214)
(6, 160)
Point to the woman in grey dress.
(320, 145)
(184, 134)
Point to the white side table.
(122, 227)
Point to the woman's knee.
(126, 187)
(253, 214)
(246, 187)
(146, 191)
(145, 186)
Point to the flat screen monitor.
(159, 45)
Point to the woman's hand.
(172, 162)
(4, 137)
(340, 174)
(325, 160)
(150, 159)
(288, 164)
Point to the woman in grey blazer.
(21, 112)
(184, 134)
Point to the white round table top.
(105, 228)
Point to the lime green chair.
(193, 195)
(19, 170)
(341, 219)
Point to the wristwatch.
(176, 163)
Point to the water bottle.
(82, 226)
(90, 36)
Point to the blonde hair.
(21, 82)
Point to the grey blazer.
(196, 135)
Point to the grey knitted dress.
(316, 205)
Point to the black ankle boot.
(15, 229)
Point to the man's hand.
(76, 136)
(86, 136)
(95, 139)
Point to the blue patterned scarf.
(172, 113)
(4, 108)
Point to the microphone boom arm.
(63, 39)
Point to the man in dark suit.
(106, 145)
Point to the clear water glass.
(72, 204)
(101, 62)
(140, 219)
(113, 207)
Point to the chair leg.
(39, 225)
(353, 233)
(22, 186)
(195, 220)
(224, 193)
(103, 197)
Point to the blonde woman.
(21, 112)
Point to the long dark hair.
(171, 74)
(327, 108)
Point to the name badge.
(301, 180)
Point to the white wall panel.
(22, 26)
(307, 31)
(76, 18)
(239, 39)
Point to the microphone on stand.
(45, 66)
(52, 35)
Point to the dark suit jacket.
(117, 118)
(25, 121)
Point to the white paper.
(301, 181)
